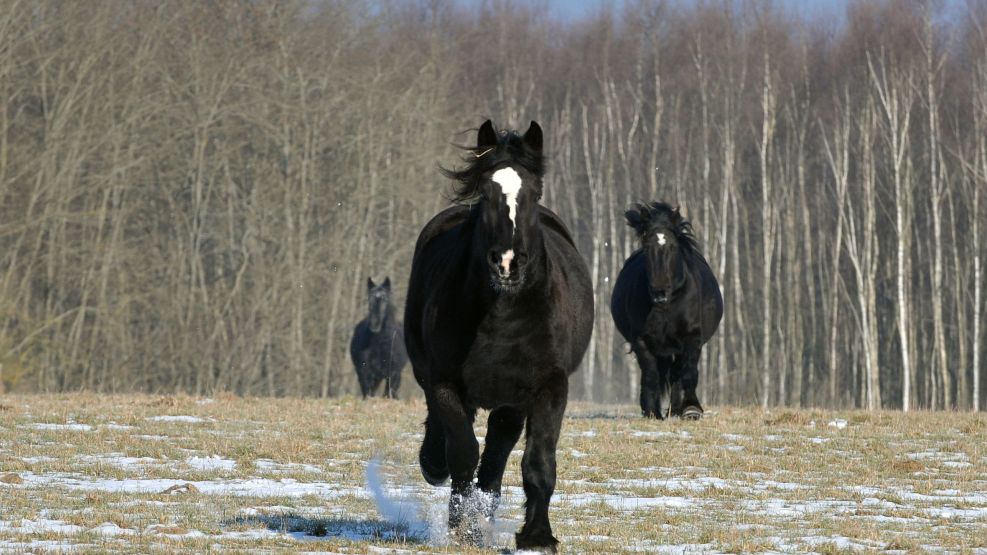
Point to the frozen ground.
(140, 473)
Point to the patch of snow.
(118, 460)
(956, 464)
(176, 418)
(36, 460)
(734, 437)
(626, 503)
(251, 487)
(691, 484)
(73, 426)
(837, 423)
(283, 468)
(41, 526)
(662, 433)
(111, 529)
(211, 462)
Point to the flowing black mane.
(480, 160)
(647, 218)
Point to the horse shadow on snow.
(316, 528)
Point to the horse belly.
(492, 381)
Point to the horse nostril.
(522, 259)
(493, 257)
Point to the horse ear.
(633, 218)
(370, 283)
(387, 283)
(533, 136)
(487, 137)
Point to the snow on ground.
(625, 484)
(74, 426)
(176, 418)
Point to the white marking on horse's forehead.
(661, 239)
(510, 185)
(505, 261)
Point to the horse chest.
(665, 333)
(504, 368)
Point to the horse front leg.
(649, 379)
(689, 377)
(504, 426)
(363, 377)
(462, 453)
(664, 378)
(538, 463)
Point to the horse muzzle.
(506, 269)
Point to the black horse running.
(499, 314)
(667, 305)
(377, 348)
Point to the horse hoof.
(692, 413)
(471, 516)
(537, 543)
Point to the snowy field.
(145, 474)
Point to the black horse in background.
(377, 348)
(499, 314)
(667, 305)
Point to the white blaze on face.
(661, 239)
(510, 185)
(505, 262)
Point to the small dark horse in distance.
(377, 348)
(667, 305)
(499, 314)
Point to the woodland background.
(192, 194)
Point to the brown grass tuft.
(11, 478)
(908, 465)
(788, 417)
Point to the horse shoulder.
(552, 221)
(442, 222)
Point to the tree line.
(192, 194)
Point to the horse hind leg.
(432, 455)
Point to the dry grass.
(109, 474)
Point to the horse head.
(503, 179)
(666, 239)
(379, 301)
